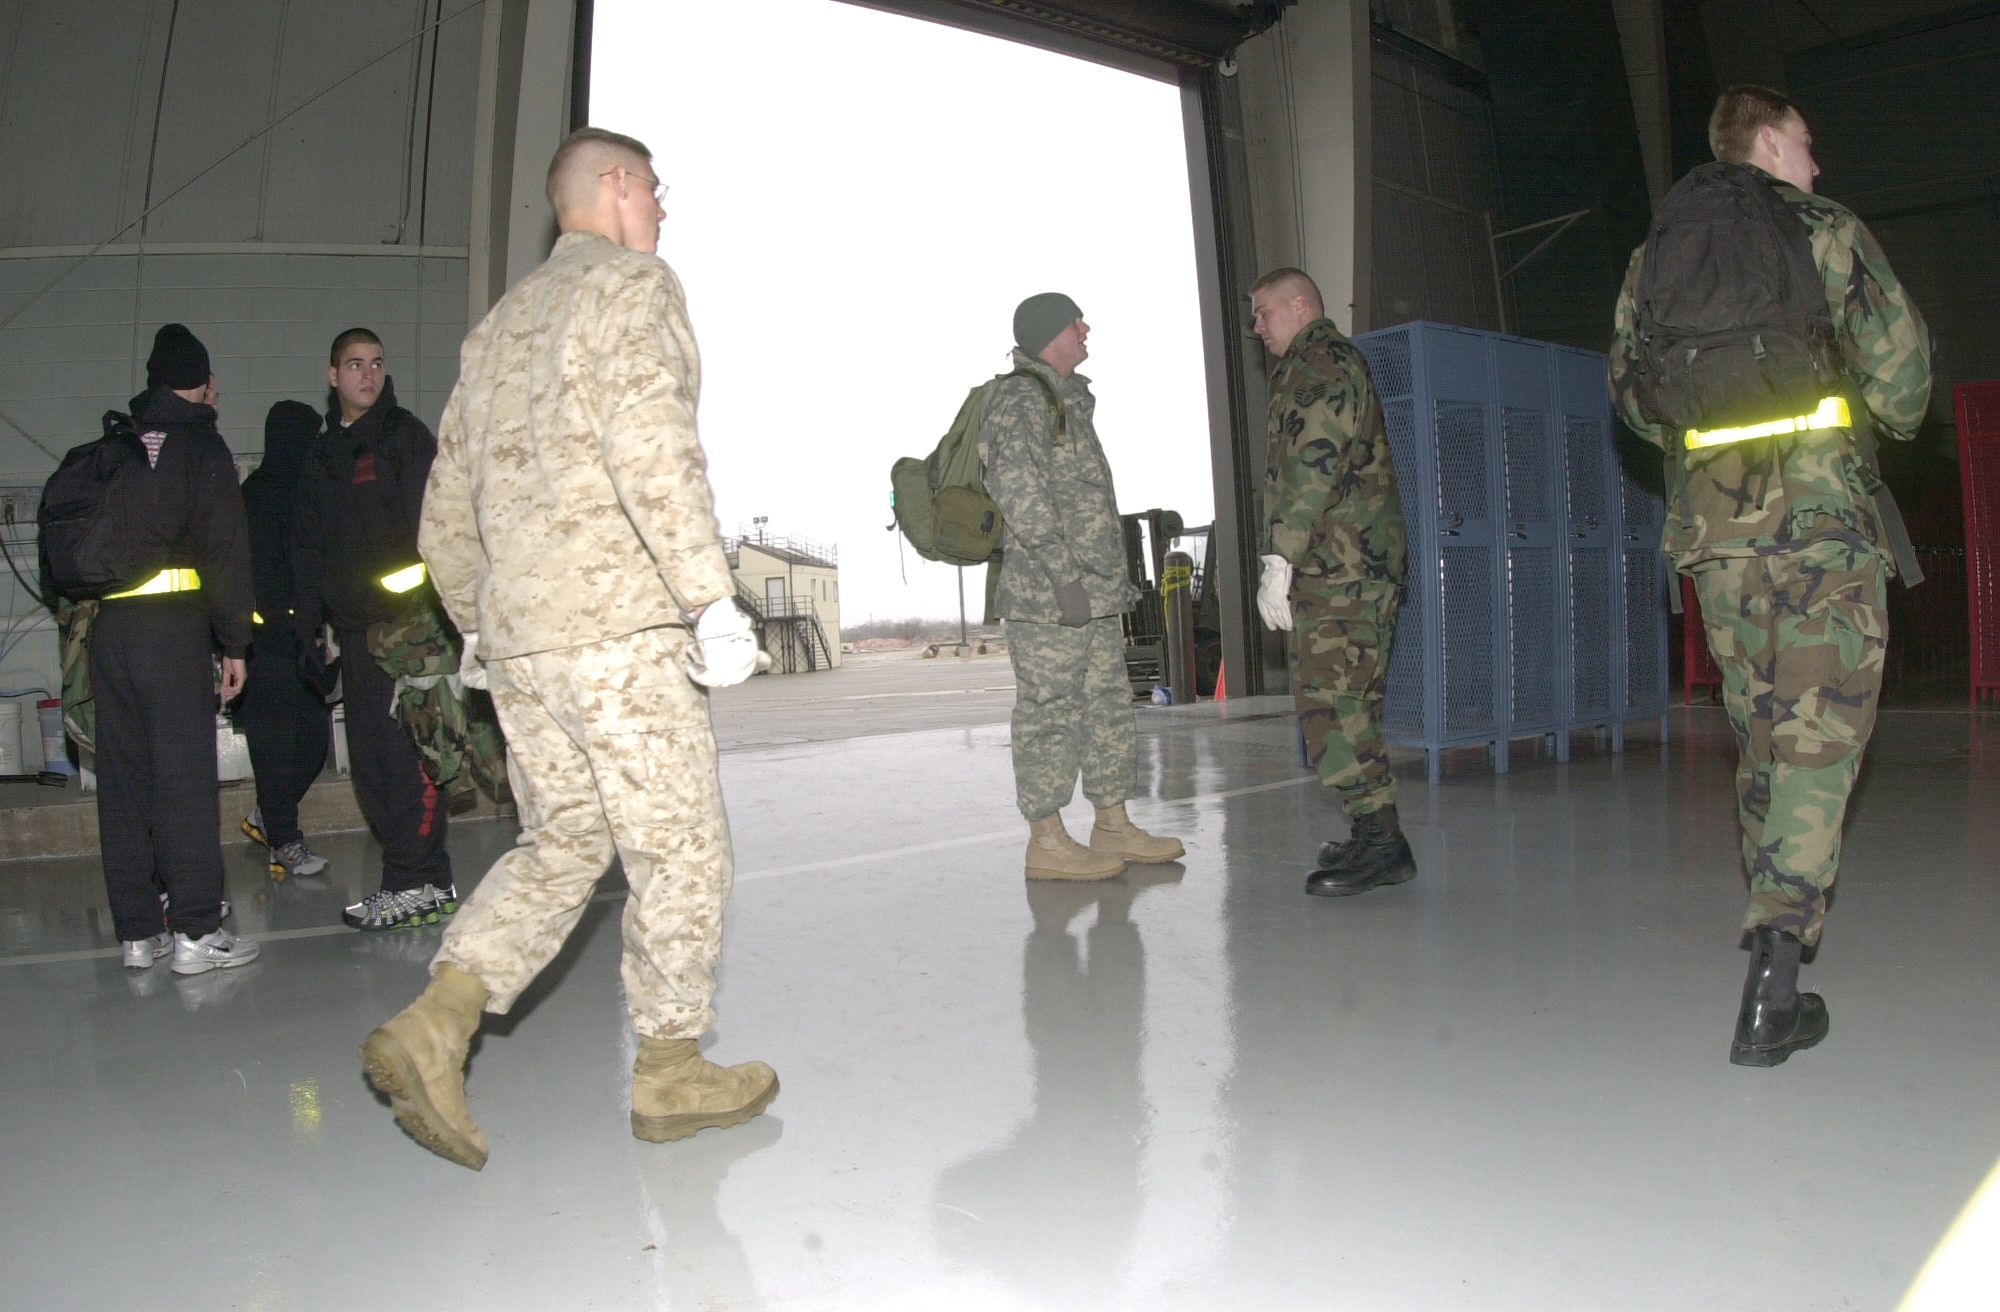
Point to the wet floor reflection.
(1053, 1212)
(697, 1260)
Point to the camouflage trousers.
(1072, 710)
(1800, 638)
(1341, 633)
(609, 751)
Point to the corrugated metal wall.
(1925, 177)
(354, 209)
(1436, 183)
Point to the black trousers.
(398, 799)
(289, 728)
(151, 671)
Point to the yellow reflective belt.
(167, 580)
(404, 579)
(1832, 413)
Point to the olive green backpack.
(940, 501)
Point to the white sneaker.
(217, 951)
(141, 953)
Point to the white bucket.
(10, 735)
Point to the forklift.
(1149, 537)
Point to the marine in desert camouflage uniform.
(1334, 565)
(569, 528)
(1063, 585)
(1790, 555)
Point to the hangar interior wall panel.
(385, 157)
(267, 320)
(1436, 181)
(108, 107)
(77, 90)
(1536, 603)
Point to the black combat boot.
(1776, 1019)
(1376, 854)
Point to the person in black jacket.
(151, 666)
(360, 499)
(286, 721)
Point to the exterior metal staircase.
(789, 629)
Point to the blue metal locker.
(1646, 584)
(1536, 598)
(1590, 487)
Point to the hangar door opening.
(857, 201)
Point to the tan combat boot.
(1114, 834)
(677, 1091)
(418, 1059)
(1053, 854)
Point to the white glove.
(1274, 594)
(725, 651)
(471, 670)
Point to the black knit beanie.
(179, 360)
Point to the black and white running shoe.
(396, 908)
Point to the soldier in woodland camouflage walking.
(1780, 520)
(569, 529)
(1063, 585)
(1333, 571)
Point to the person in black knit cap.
(151, 667)
(287, 722)
(354, 554)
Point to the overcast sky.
(858, 202)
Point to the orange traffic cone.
(1222, 683)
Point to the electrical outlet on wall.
(19, 504)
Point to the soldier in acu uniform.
(569, 528)
(1063, 585)
(1789, 546)
(1333, 571)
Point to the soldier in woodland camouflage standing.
(570, 532)
(1063, 585)
(1333, 571)
(1789, 538)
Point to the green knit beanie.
(1041, 318)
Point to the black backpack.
(1731, 311)
(95, 516)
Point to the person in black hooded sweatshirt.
(152, 669)
(360, 501)
(286, 720)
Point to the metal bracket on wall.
(1562, 222)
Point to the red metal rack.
(1698, 666)
(1978, 408)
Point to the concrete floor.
(1502, 1086)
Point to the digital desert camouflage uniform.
(1790, 559)
(1072, 701)
(569, 523)
(1332, 510)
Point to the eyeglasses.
(659, 187)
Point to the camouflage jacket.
(1774, 494)
(455, 730)
(1056, 497)
(1330, 501)
(569, 500)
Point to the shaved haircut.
(1741, 112)
(1292, 282)
(347, 339)
(582, 158)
